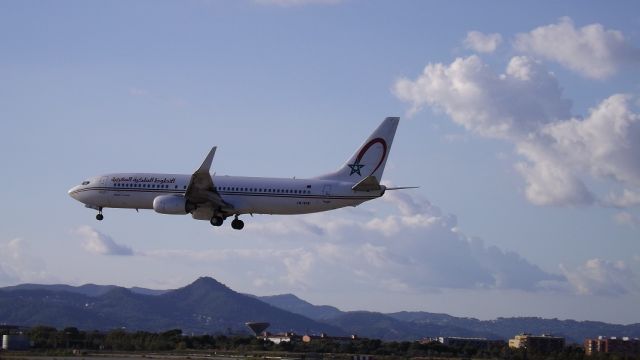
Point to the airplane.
(215, 198)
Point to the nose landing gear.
(99, 217)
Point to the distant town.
(17, 340)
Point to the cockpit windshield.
(86, 182)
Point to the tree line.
(49, 338)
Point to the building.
(537, 343)
(615, 345)
(13, 337)
(323, 336)
(461, 342)
(280, 338)
(15, 342)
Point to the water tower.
(258, 327)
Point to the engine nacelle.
(172, 205)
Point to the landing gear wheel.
(99, 217)
(216, 221)
(237, 224)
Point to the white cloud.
(506, 105)
(287, 3)
(480, 42)
(548, 180)
(592, 50)
(628, 198)
(18, 264)
(601, 277)
(96, 242)
(525, 106)
(414, 247)
(7, 277)
(272, 266)
(297, 266)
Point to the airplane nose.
(72, 192)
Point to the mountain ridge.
(209, 306)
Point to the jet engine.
(172, 205)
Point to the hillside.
(208, 306)
(205, 306)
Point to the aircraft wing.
(201, 189)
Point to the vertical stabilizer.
(370, 158)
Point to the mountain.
(296, 305)
(87, 289)
(205, 306)
(407, 325)
(208, 306)
(381, 326)
(573, 331)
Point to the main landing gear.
(99, 217)
(236, 224)
(216, 220)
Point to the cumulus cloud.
(18, 264)
(480, 42)
(415, 247)
(525, 106)
(601, 277)
(267, 265)
(96, 242)
(628, 198)
(7, 277)
(592, 50)
(506, 105)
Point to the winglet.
(206, 164)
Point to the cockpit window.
(86, 182)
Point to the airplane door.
(326, 191)
(103, 183)
(103, 192)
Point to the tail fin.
(369, 160)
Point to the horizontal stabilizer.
(403, 187)
(370, 183)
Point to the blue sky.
(520, 124)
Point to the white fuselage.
(247, 195)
